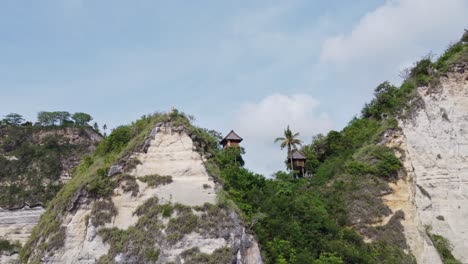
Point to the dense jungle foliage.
(324, 219)
(31, 162)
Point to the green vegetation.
(101, 186)
(31, 162)
(289, 141)
(13, 119)
(319, 220)
(456, 53)
(90, 177)
(117, 140)
(177, 228)
(325, 219)
(33, 157)
(102, 212)
(443, 246)
(63, 118)
(9, 247)
(155, 180)
(81, 119)
(377, 160)
(194, 256)
(136, 243)
(128, 184)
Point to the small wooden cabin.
(298, 160)
(231, 140)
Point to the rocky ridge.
(215, 233)
(17, 222)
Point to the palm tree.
(290, 141)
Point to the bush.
(465, 36)
(128, 184)
(449, 56)
(8, 247)
(328, 258)
(376, 159)
(220, 255)
(155, 180)
(102, 212)
(444, 248)
(116, 141)
(178, 227)
(101, 185)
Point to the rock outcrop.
(171, 221)
(18, 219)
(433, 146)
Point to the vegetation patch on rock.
(443, 246)
(155, 180)
(103, 211)
(220, 255)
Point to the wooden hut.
(231, 140)
(298, 160)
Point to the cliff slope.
(161, 206)
(34, 164)
(434, 140)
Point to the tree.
(62, 117)
(13, 119)
(81, 119)
(96, 126)
(104, 128)
(290, 141)
(312, 161)
(46, 118)
(328, 258)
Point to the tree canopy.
(13, 119)
(289, 141)
(81, 119)
(63, 118)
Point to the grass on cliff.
(91, 177)
(7, 246)
(155, 180)
(296, 221)
(304, 220)
(443, 246)
(194, 256)
(139, 243)
(33, 175)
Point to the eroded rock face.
(434, 146)
(16, 223)
(167, 152)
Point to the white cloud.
(398, 29)
(259, 123)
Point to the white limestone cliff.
(433, 146)
(167, 152)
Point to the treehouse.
(298, 160)
(231, 140)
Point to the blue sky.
(251, 66)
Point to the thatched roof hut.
(231, 140)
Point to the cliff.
(390, 187)
(162, 207)
(434, 143)
(34, 164)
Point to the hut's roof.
(231, 136)
(297, 155)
